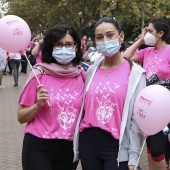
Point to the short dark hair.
(111, 21)
(53, 36)
(161, 25)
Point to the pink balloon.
(15, 34)
(152, 109)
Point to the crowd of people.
(74, 115)
(12, 62)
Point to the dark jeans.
(9, 66)
(99, 151)
(156, 144)
(23, 64)
(167, 150)
(15, 67)
(47, 154)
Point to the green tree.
(42, 14)
(131, 14)
(134, 15)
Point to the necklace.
(108, 70)
(107, 73)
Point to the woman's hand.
(27, 113)
(42, 96)
(143, 34)
(132, 168)
(41, 41)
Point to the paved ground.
(11, 132)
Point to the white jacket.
(2, 59)
(131, 137)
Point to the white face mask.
(64, 55)
(150, 39)
(109, 48)
(36, 43)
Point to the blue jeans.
(15, 67)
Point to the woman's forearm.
(26, 114)
(130, 50)
(34, 51)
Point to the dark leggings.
(99, 151)
(47, 154)
(167, 150)
(156, 145)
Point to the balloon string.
(140, 153)
(35, 75)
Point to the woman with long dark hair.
(51, 108)
(107, 136)
(156, 62)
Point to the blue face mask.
(108, 48)
(64, 55)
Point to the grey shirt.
(2, 59)
(131, 137)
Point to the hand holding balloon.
(42, 96)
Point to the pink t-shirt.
(58, 120)
(32, 44)
(39, 57)
(105, 99)
(156, 61)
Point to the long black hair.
(53, 36)
(111, 21)
(161, 25)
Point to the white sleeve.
(90, 55)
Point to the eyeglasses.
(68, 45)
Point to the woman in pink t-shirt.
(156, 61)
(109, 135)
(36, 51)
(50, 103)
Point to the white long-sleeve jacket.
(131, 137)
(2, 59)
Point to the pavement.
(12, 132)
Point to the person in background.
(23, 63)
(2, 65)
(51, 109)
(8, 64)
(167, 151)
(83, 44)
(36, 40)
(32, 43)
(89, 43)
(107, 135)
(156, 61)
(129, 43)
(122, 48)
(36, 51)
(15, 60)
(91, 55)
(167, 142)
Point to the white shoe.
(1, 86)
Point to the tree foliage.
(135, 14)
(43, 14)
